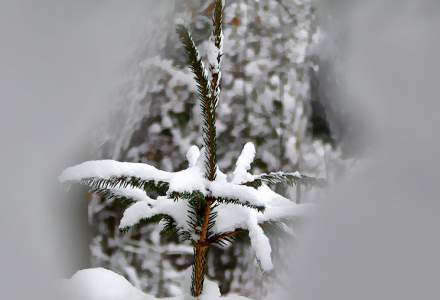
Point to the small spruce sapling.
(201, 203)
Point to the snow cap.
(192, 155)
(243, 164)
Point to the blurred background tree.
(270, 96)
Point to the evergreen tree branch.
(217, 23)
(143, 222)
(169, 226)
(207, 105)
(110, 195)
(239, 202)
(215, 53)
(289, 178)
(225, 238)
(149, 186)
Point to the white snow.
(130, 192)
(231, 217)
(188, 180)
(213, 53)
(243, 164)
(192, 155)
(245, 194)
(102, 284)
(110, 168)
(147, 209)
(136, 212)
(260, 244)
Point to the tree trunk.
(201, 251)
(199, 269)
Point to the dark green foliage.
(285, 178)
(238, 202)
(225, 239)
(211, 219)
(150, 186)
(143, 222)
(170, 228)
(208, 106)
(110, 195)
(195, 202)
(217, 21)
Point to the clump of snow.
(188, 180)
(193, 155)
(146, 209)
(132, 193)
(243, 164)
(102, 284)
(245, 194)
(260, 244)
(213, 53)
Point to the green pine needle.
(288, 178)
(208, 106)
(149, 186)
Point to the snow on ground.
(102, 284)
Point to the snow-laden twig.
(237, 203)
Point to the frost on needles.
(201, 204)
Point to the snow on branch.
(243, 164)
(236, 206)
(107, 169)
(113, 175)
(126, 195)
(144, 210)
(260, 243)
(245, 194)
(110, 174)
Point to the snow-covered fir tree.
(202, 205)
(266, 99)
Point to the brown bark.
(200, 252)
